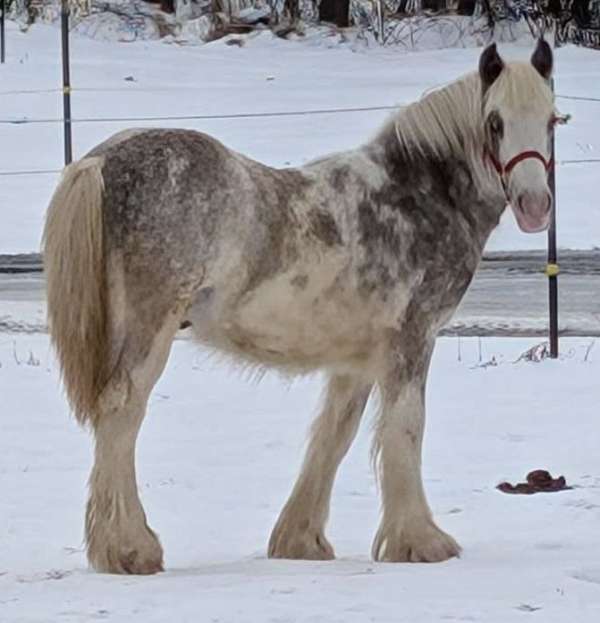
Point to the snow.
(266, 74)
(217, 457)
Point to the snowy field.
(266, 75)
(217, 458)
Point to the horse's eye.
(552, 122)
(496, 124)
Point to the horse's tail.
(76, 285)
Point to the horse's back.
(181, 211)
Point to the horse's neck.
(444, 185)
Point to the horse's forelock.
(519, 88)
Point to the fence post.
(64, 14)
(552, 265)
(2, 32)
(380, 20)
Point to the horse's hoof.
(425, 543)
(134, 564)
(145, 557)
(298, 544)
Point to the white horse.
(350, 264)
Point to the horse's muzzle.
(532, 211)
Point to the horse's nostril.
(535, 203)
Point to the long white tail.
(76, 285)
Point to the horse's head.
(519, 117)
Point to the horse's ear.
(490, 65)
(542, 60)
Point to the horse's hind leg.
(299, 532)
(117, 535)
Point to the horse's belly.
(291, 328)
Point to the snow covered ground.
(217, 458)
(266, 75)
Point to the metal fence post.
(66, 80)
(552, 266)
(380, 21)
(2, 32)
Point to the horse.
(350, 264)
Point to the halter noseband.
(505, 170)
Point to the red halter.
(504, 171)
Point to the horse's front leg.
(300, 529)
(407, 532)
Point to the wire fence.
(211, 117)
(206, 117)
(170, 89)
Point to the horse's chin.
(529, 223)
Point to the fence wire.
(30, 172)
(212, 117)
(170, 89)
(207, 117)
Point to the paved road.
(509, 295)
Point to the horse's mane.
(444, 120)
(450, 119)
